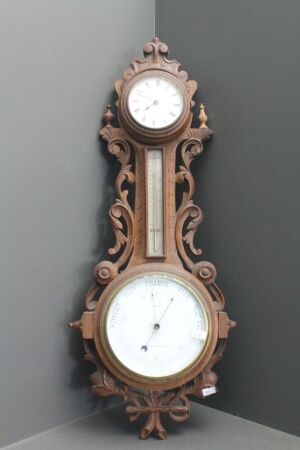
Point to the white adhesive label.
(209, 391)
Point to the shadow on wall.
(79, 378)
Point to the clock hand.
(157, 325)
(148, 98)
(148, 106)
(152, 104)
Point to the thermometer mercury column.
(154, 188)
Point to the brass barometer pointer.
(156, 326)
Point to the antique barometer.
(154, 324)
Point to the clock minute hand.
(148, 98)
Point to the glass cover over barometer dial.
(156, 325)
(155, 102)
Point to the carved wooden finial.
(202, 117)
(108, 117)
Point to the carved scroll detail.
(188, 214)
(205, 271)
(194, 214)
(120, 213)
(90, 297)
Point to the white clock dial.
(156, 326)
(155, 102)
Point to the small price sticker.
(209, 391)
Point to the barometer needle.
(157, 325)
(154, 307)
(163, 314)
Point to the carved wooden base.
(173, 402)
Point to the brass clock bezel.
(132, 378)
(154, 135)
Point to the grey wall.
(59, 61)
(245, 56)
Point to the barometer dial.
(155, 102)
(156, 326)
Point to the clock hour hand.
(152, 104)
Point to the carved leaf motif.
(119, 211)
(190, 149)
(121, 214)
(90, 301)
(185, 175)
(103, 384)
(115, 213)
(196, 217)
(194, 213)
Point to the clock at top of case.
(155, 105)
(155, 102)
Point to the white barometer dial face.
(156, 326)
(155, 102)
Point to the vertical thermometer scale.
(154, 324)
(155, 206)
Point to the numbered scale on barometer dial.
(154, 324)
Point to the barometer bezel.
(116, 367)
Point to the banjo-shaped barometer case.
(154, 324)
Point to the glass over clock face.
(156, 326)
(155, 102)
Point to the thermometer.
(154, 188)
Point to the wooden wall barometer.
(154, 324)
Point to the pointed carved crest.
(155, 53)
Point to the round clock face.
(155, 102)
(156, 326)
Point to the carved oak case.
(154, 220)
